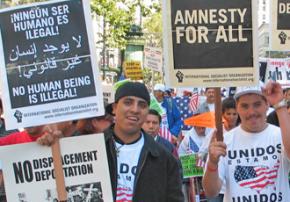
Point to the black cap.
(133, 89)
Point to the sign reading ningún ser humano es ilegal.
(48, 64)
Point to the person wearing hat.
(140, 168)
(253, 162)
(171, 117)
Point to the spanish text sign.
(280, 26)
(29, 173)
(210, 43)
(48, 66)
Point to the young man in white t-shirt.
(253, 161)
(141, 170)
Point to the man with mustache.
(253, 162)
(208, 104)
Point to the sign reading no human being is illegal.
(280, 26)
(48, 65)
(210, 43)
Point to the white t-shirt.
(211, 107)
(127, 160)
(256, 167)
(191, 142)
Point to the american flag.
(193, 103)
(124, 194)
(256, 177)
(165, 133)
(200, 162)
(183, 106)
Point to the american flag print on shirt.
(124, 194)
(256, 177)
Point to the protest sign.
(133, 70)
(29, 173)
(153, 58)
(48, 57)
(210, 43)
(280, 26)
(278, 70)
(108, 93)
(189, 167)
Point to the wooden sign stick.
(58, 171)
(218, 114)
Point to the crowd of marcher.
(145, 131)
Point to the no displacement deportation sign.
(280, 26)
(278, 70)
(29, 174)
(48, 65)
(210, 43)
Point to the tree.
(153, 30)
(117, 22)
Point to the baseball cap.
(249, 90)
(159, 87)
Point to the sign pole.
(58, 171)
(218, 114)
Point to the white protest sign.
(108, 93)
(278, 70)
(29, 174)
(153, 58)
(48, 64)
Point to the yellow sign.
(133, 70)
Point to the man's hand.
(51, 134)
(215, 150)
(273, 92)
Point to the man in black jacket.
(140, 169)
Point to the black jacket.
(157, 178)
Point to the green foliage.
(117, 21)
(149, 78)
(153, 30)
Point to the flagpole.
(218, 114)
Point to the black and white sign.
(210, 43)
(29, 173)
(48, 63)
(280, 26)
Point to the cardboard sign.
(189, 166)
(278, 70)
(210, 43)
(133, 70)
(48, 64)
(153, 58)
